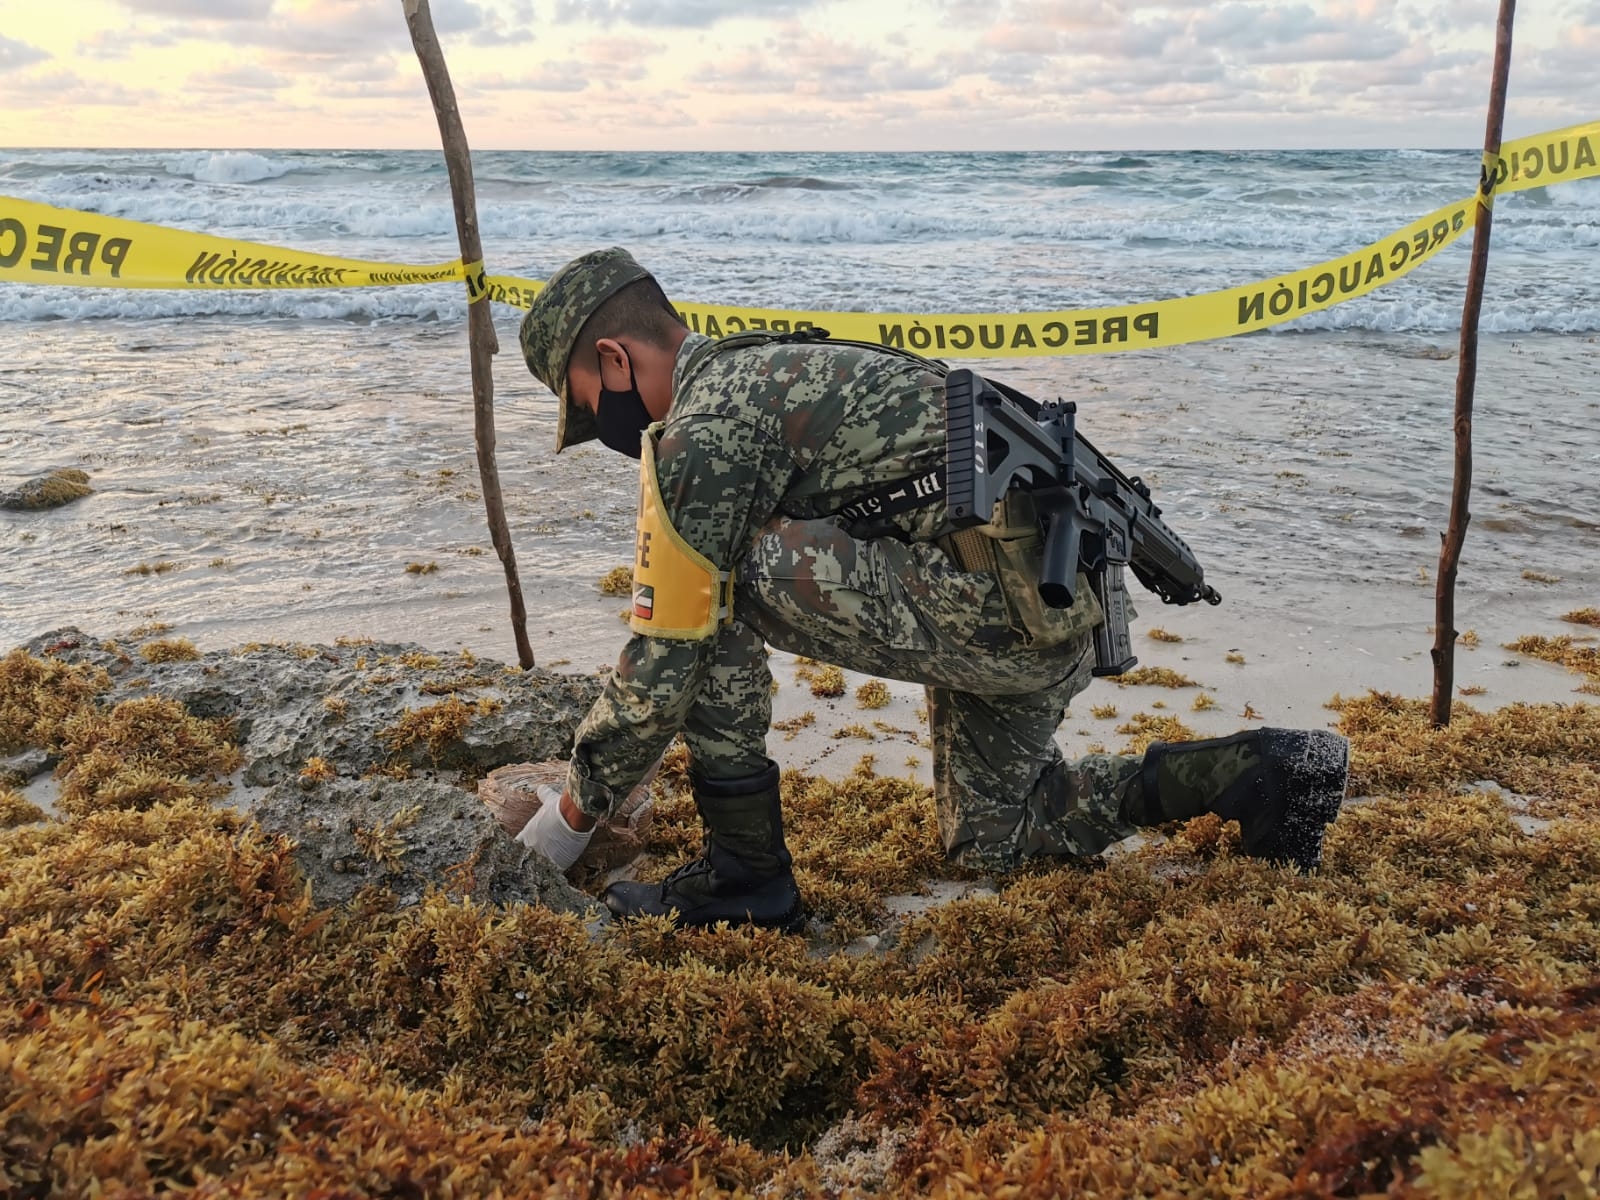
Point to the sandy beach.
(1287, 676)
(1045, 1022)
(1312, 497)
(1181, 1017)
(275, 944)
(1245, 669)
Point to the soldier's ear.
(614, 358)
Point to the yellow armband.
(677, 591)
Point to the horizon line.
(769, 152)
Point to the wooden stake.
(1444, 618)
(481, 341)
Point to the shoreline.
(1308, 474)
(1245, 668)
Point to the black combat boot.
(743, 873)
(1283, 786)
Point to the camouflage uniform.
(762, 445)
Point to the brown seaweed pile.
(1419, 1018)
(1566, 651)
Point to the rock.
(71, 644)
(18, 769)
(51, 490)
(407, 835)
(358, 708)
(350, 705)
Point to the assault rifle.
(1096, 519)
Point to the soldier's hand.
(550, 833)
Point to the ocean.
(268, 464)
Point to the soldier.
(759, 455)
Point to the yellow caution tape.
(1530, 162)
(1487, 174)
(477, 286)
(1547, 158)
(40, 244)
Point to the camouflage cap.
(557, 317)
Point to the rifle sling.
(901, 496)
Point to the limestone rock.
(17, 769)
(362, 709)
(407, 835)
(352, 705)
(50, 490)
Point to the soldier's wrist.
(577, 820)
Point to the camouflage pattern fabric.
(984, 744)
(557, 316)
(762, 443)
(1003, 789)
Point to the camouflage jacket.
(754, 432)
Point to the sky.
(790, 74)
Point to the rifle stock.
(1096, 519)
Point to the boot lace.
(694, 867)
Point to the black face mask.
(622, 417)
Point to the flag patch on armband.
(644, 602)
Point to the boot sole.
(790, 923)
(625, 902)
(1316, 766)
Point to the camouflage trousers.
(1004, 790)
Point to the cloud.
(1565, 70)
(1249, 26)
(1410, 68)
(14, 55)
(109, 45)
(511, 27)
(674, 14)
(323, 29)
(1052, 71)
(1334, 46)
(1294, 33)
(1435, 85)
(1457, 15)
(794, 62)
(1134, 39)
(1072, 16)
(373, 70)
(715, 73)
(1129, 39)
(553, 76)
(1125, 89)
(618, 51)
(246, 77)
(1080, 15)
(502, 35)
(757, 71)
(378, 77)
(343, 28)
(205, 10)
(61, 91)
(412, 93)
(1019, 69)
(1010, 37)
(1057, 45)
